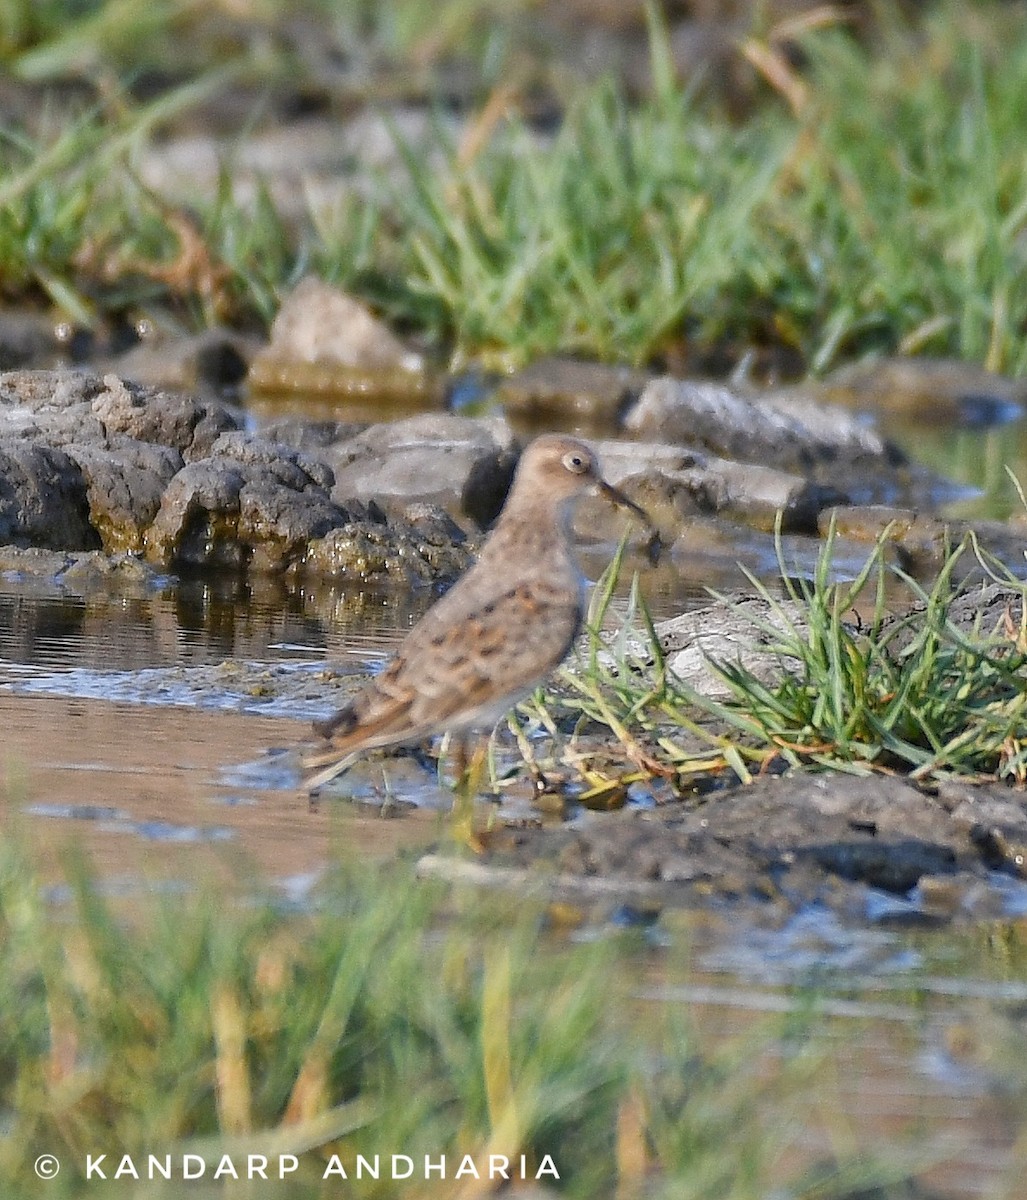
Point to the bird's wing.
(446, 672)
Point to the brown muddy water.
(164, 785)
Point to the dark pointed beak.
(621, 501)
(654, 544)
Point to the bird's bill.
(654, 545)
(617, 497)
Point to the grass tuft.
(915, 693)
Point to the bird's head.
(563, 469)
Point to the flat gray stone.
(674, 483)
(792, 435)
(434, 458)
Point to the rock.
(75, 571)
(568, 389)
(454, 462)
(425, 547)
(793, 840)
(64, 407)
(184, 423)
(971, 805)
(994, 610)
(925, 542)
(318, 323)
(197, 524)
(434, 526)
(994, 819)
(928, 389)
(743, 632)
(88, 571)
(250, 504)
(277, 527)
(88, 461)
(325, 341)
(117, 447)
(993, 613)
(52, 407)
(789, 435)
(310, 436)
(709, 551)
(868, 522)
(294, 468)
(125, 482)
(216, 359)
(43, 498)
(742, 629)
(673, 484)
(369, 393)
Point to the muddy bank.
(874, 849)
(871, 848)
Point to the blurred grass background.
(376, 1020)
(816, 184)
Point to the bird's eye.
(575, 462)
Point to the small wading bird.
(496, 634)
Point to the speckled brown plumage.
(499, 631)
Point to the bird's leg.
(459, 759)
(468, 783)
(476, 766)
(538, 780)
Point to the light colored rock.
(786, 433)
(744, 632)
(319, 323)
(437, 458)
(676, 483)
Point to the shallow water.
(979, 457)
(44, 626)
(171, 795)
(911, 1072)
